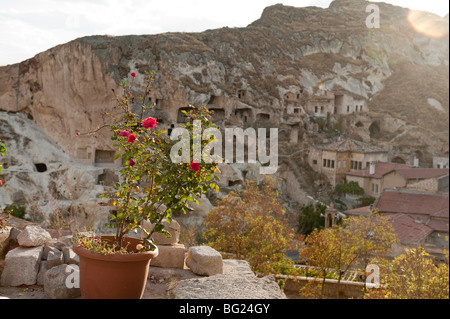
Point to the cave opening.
(41, 167)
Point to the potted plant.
(152, 187)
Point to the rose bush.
(152, 186)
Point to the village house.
(343, 156)
(380, 176)
(320, 106)
(418, 218)
(348, 104)
(331, 103)
(441, 161)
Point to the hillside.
(269, 74)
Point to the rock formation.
(285, 70)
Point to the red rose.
(1, 183)
(131, 162)
(131, 138)
(195, 166)
(149, 123)
(124, 133)
(133, 75)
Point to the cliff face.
(288, 49)
(248, 73)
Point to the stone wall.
(428, 185)
(346, 289)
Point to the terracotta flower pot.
(114, 276)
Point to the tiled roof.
(407, 171)
(438, 225)
(358, 211)
(441, 213)
(381, 168)
(409, 202)
(349, 145)
(408, 230)
(422, 173)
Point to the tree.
(373, 237)
(352, 188)
(311, 217)
(330, 249)
(357, 241)
(413, 275)
(251, 224)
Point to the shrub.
(349, 188)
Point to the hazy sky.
(28, 27)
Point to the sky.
(28, 27)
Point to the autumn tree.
(251, 224)
(342, 248)
(329, 249)
(414, 275)
(373, 236)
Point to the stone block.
(57, 243)
(21, 266)
(54, 258)
(70, 257)
(172, 228)
(4, 240)
(170, 256)
(42, 270)
(61, 242)
(33, 236)
(47, 248)
(204, 260)
(62, 282)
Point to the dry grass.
(406, 92)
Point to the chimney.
(372, 168)
(416, 162)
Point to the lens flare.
(428, 24)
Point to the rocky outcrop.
(273, 73)
(237, 280)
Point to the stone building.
(441, 161)
(380, 176)
(335, 103)
(418, 218)
(343, 156)
(320, 106)
(348, 104)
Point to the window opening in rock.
(219, 114)
(398, 160)
(374, 129)
(41, 167)
(104, 157)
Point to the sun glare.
(427, 24)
